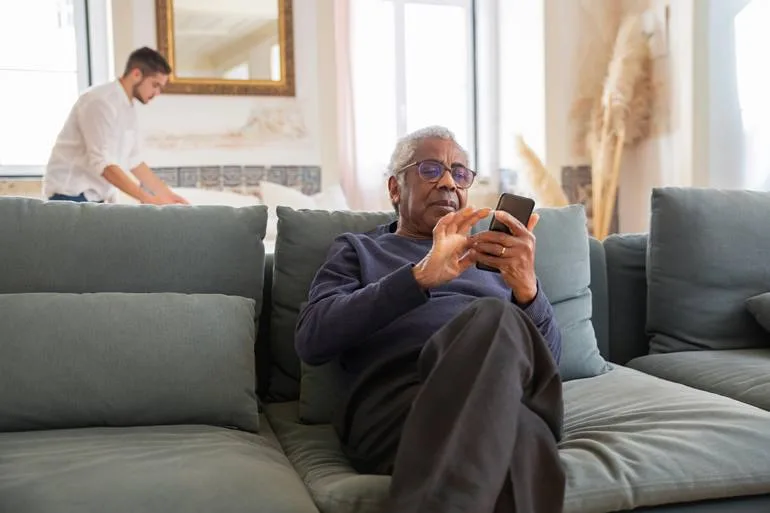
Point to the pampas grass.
(547, 189)
(601, 20)
(620, 116)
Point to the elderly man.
(453, 380)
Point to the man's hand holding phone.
(512, 254)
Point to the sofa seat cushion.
(741, 373)
(631, 440)
(315, 451)
(186, 468)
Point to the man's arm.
(150, 180)
(541, 313)
(341, 313)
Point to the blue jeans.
(77, 199)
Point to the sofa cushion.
(707, 255)
(159, 469)
(623, 448)
(315, 452)
(85, 247)
(303, 241)
(562, 265)
(759, 307)
(627, 283)
(739, 373)
(118, 359)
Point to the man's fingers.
(511, 222)
(490, 260)
(467, 221)
(533, 220)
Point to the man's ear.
(394, 190)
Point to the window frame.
(472, 113)
(92, 21)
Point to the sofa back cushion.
(708, 253)
(563, 266)
(304, 238)
(627, 284)
(71, 247)
(80, 248)
(116, 359)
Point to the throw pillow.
(116, 359)
(759, 307)
(707, 253)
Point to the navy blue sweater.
(365, 302)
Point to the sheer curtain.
(753, 76)
(401, 65)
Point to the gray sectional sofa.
(147, 361)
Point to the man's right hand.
(451, 254)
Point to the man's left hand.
(513, 255)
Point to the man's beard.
(135, 93)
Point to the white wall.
(184, 130)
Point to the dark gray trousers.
(467, 424)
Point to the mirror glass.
(227, 39)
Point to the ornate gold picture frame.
(284, 85)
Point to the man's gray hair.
(407, 145)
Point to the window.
(753, 82)
(412, 65)
(42, 72)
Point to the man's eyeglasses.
(432, 171)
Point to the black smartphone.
(520, 207)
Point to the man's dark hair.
(148, 61)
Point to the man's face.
(147, 87)
(422, 203)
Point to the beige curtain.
(362, 176)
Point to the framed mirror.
(231, 47)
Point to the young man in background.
(99, 142)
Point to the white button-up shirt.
(101, 130)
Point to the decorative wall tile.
(211, 177)
(189, 177)
(252, 175)
(244, 179)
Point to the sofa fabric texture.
(152, 469)
(118, 359)
(122, 248)
(627, 286)
(741, 374)
(707, 255)
(759, 307)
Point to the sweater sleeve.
(541, 313)
(341, 312)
